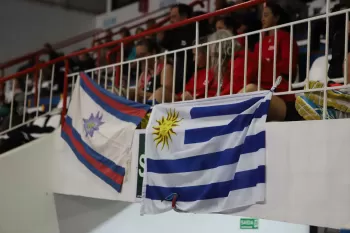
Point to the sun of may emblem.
(92, 124)
(164, 130)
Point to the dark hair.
(278, 11)
(125, 31)
(205, 27)
(140, 29)
(151, 21)
(184, 10)
(150, 44)
(228, 21)
(223, 4)
(337, 22)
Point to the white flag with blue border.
(99, 129)
(206, 156)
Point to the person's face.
(220, 25)
(175, 15)
(201, 58)
(142, 51)
(268, 19)
(82, 57)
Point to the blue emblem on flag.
(93, 124)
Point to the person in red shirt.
(205, 77)
(227, 85)
(282, 107)
(231, 83)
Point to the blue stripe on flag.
(208, 161)
(221, 110)
(103, 177)
(238, 124)
(98, 157)
(118, 100)
(241, 180)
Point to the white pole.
(108, 6)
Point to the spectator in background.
(337, 36)
(178, 38)
(109, 36)
(246, 23)
(283, 107)
(180, 12)
(220, 4)
(205, 28)
(132, 54)
(124, 33)
(220, 83)
(139, 30)
(83, 62)
(225, 23)
(228, 59)
(150, 23)
(297, 9)
(151, 82)
(205, 78)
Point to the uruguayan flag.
(206, 156)
(99, 130)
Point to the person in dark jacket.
(338, 43)
(178, 38)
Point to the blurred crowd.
(244, 64)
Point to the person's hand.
(141, 95)
(188, 96)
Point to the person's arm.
(164, 92)
(167, 77)
(140, 90)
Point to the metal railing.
(105, 76)
(94, 34)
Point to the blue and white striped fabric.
(210, 154)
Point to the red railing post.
(65, 91)
(98, 59)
